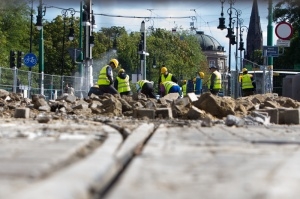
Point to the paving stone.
(142, 112)
(292, 116)
(22, 113)
(164, 113)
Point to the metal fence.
(29, 83)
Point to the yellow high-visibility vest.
(102, 79)
(123, 84)
(246, 81)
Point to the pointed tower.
(254, 36)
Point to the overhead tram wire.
(146, 18)
(139, 17)
(205, 22)
(132, 17)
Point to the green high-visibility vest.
(123, 84)
(218, 81)
(169, 77)
(168, 85)
(246, 81)
(184, 89)
(102, 79)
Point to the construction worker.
(183, 88)
(198, 81)
(171, 87)
(246, 82)
(95, 90)
(105, 79)
(146, 87)
(165, 76)
(194, 83)
(122, 83)
(71, 90)
(215, 80)
(201, 74)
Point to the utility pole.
(270, 43)
(80, 42)
(39, 25)
(88, 58)
(142, 50)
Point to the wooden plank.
(173, 165)
(133, 142)
(78, 180)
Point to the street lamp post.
(39, 25)
(236, 75)
(232, 78)
(241, 46)
(30, 48)
(65, 13)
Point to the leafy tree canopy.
(289, 11)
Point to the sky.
(166, 14)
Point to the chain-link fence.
(29, 83)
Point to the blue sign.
(30, 60)
(270, 51)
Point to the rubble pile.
(207, 107)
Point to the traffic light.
(86, 13)
(19, 59)
(141, 50)
(12, 59)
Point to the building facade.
(215, 54)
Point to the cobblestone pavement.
(147, 159)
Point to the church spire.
(254, 36)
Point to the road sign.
(284, 30)
(270, 51)
(283, 43)
(30, 60)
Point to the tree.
(57, 44)
(289, 10)
(14, 28)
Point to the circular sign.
(30, 60)
(284, 30)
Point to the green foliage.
(258, 57)
(180, 52)
(289, 10)
(57, 45)
(14, 28)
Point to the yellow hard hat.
(244, 69)
(122, 71)
(201, 74)
(184, 81)
(116, 62)
(194, 80)
(163, 70)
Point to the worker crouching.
(171, 87)
(146, 87)
(122, 83)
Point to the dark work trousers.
(126, 93)
(215, 91)
(108, 89)
(247, 92)
(147, 90)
